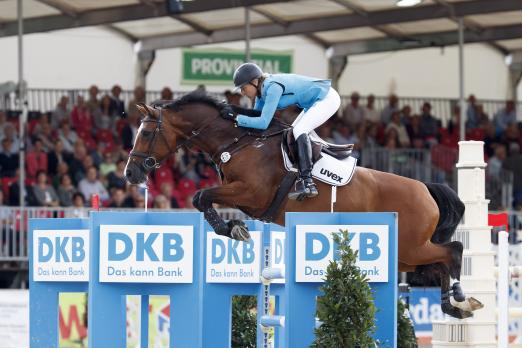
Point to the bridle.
(149, 161)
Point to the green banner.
(217, 66)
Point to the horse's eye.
(146, 134)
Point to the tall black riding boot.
(305, 186)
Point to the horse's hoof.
(475, 304)
(238, 230)
(469, 305)
(455, 312)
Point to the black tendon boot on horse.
(305, 186)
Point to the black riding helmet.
(245, 73)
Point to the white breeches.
(318, 114)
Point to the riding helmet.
(245, 73)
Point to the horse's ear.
(144, 109)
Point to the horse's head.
(193, 119)
(154, 142)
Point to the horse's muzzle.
(134, 173)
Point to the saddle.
(319, 146)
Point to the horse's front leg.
(235, 193)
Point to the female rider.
(316, 97)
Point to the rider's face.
(250, 89)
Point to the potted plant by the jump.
(405, 330)
(346, 310)
(244, 323)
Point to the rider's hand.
(228, 113)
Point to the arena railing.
(46, 99)
(441, 108)
(438, 167)
(14, 229)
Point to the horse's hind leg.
(445, 260)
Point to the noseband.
(149, 161)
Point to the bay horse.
(251, 165)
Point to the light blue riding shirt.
(282, 90)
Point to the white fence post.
(503, 289)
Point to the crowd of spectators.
(401, 127)
(79, 150)
(76, 152)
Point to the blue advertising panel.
(424, 309)
(145, 254)
(59, 262)
(309, 248)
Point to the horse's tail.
(451, 210)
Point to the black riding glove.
(246, 112)
(227, 112)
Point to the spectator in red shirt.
(36, 159)
(81, 117)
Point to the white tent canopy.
(345, 26)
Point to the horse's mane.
(192, 98)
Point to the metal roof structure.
(345, 27)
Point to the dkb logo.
(122, 247)
(232, 261)
(315, 248)
(64, 249)
(318, 246)
(228, 251)
(60, 255)
(277, 252)
(146, 253)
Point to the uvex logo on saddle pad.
(331, 174)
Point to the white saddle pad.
(328, 169)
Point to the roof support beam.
(439, 39)
(71, 12)
(361, 12)
(471, 25)
(194, 25)
(119, 14)
(317, 40)
(60, 6)
(120, 32)
(310, 36)
(312, 25)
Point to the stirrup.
(303, 190)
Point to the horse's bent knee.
(197, 201)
